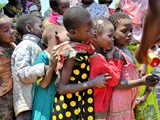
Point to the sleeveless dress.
(123, 101)
(79, 105)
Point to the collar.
(31, 37)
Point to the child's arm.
(22, 68)
(64, 87)
(49, 73)
(147, 80)
(144, 97)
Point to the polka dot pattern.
(79, 105)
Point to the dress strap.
(123, 54)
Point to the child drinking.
(123, 101)
(23, 71)
(44, 87)
(74, 99)
(58, 9)
(7, 37)
(103, 40)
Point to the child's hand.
(151, 80)
(53, 61)
(101, 81)
(142, 99)
(110, 53)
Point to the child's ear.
(57, 37)
(94, 37)
(72, 32)
(28, 28)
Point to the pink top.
(123, 101)
(136, 9)
(56, 18)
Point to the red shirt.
(99, 66)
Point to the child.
(123, 101)
(44, 87)
(74, 99)
(7, 37)
(103, 40)
(23, 71)
(58, 9)
(95, 9)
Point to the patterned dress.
(78, 105)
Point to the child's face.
(37, 28)
(7, 33)
(63, 6)
(123, 32)
(105, 39)
(84, 32)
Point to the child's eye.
(124, 31)
(110, 35)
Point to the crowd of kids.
(75, 64)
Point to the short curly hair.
(23, 20)
(74, 17)
(117, 17)
(99, 24)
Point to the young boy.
(23, 71)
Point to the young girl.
(23, 69)
(103, 40)
(123, 101)
(7, 37)
(74, 99)
(58, 9)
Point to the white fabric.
(25, 72)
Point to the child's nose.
(130, 33)
(112, 39)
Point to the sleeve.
(100, 66)
(115, 69)
(26, 72)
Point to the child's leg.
(6, 106)
(100, 116)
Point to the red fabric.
(99, 66)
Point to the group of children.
(85, 71)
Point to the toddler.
(44, 87)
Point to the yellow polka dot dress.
(79, 105)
